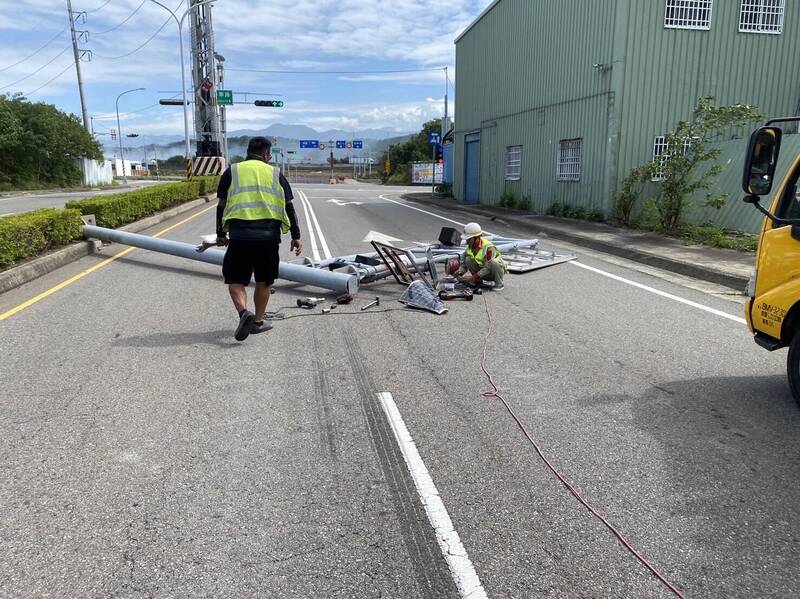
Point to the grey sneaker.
(245, 325)
(498, 287)
(260, 327)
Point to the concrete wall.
(96, 173)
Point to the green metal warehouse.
(558, 100)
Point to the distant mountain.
(286, 137)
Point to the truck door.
(778, 282)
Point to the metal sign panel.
(341, 145)
(358, 144)
(225, 97)
(309, 144)
(434, 138)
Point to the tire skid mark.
(431, 571)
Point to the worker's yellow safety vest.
(255, 194)
(480, 257)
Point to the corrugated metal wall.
(667, 70)
(524, 76)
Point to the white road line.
(325, 249)
(461, 568)
(664, 294)
(307, 210)
(676, 298)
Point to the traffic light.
(132, 135)
(171, 102)
(269, 103)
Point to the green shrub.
(524, 203)
(507, 200)
(596, 216)
(31, 233)
(556, 209)
(120, 209)
(445, 189)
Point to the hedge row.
(31, 233)
(122, 208)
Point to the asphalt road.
(27, 201)
(145, 453)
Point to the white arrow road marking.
(341, 203)
(379, 237)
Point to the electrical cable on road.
(35, 52)
(31, 74)
(495, 393)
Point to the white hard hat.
(472, 230)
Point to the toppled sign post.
(344, 274)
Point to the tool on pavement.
(309, 302)
(466, 295)
(345, 298)
(377, 302)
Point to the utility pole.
(73, 16)
(205, 83)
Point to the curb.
(25, 273)
(719, 277)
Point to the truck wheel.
(793, 366)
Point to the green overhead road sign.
(224, 97)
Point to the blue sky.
(297, 35)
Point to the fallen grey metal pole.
(316, 277)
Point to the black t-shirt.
(261, 230)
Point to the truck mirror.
(762, 160)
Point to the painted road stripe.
(323, 244)
(461, 568)
(664, 294)
(89, 271)
(314, 248)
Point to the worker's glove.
(222, 240)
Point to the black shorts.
(245, 258)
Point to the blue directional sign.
(358, 144)
(434, 138)
(341, 145)
(309, 144)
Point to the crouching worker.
(482, 260)
(255, 208)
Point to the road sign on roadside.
(225, 97)
(434, 138)
(349, 144)
(358, 144)
(309, 144)
(321, 146)
(341, 145)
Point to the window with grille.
(513, 163)
(762, 16)
(569, 159)
(688, 14)
(660, 155)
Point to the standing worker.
(482, 259)
(255, 208)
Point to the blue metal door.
(472, 168)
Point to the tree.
(686, 163)
(40, 143)
(416, 149)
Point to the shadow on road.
(222, 339)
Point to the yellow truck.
(773, 307)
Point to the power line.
(69, 66)
(29, 75)
(103, 5)
(147, 41)
(128, 18)
(35, 52)
(335, 72)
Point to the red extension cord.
(496, 393)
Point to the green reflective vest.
(255, 194)
(480, 257)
